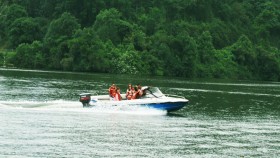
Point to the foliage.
(268, 63)
(108, 25)
(23, 30)
(59, 32)
(90, 53)
(29, 55)
(191, 38)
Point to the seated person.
(129, 92)
(140, 92)
(112, 90)
(136, 93)
(118, 94)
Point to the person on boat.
(140, 92)
(129, 92)
(112, 90)
(118, 94)
(135, 94)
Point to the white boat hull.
(151, 100)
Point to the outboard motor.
(85, 99)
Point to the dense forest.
(235, 39)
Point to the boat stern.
(85, 99)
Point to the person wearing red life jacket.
(135, 93)
(112, 90)
(118, 95)
(129, 92)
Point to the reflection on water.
(40, 116)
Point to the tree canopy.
(191, 38)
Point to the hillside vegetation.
(236, 39)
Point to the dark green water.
(40, 116)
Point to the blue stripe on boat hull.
(169, 106)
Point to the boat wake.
(39, 104)
(74, 106)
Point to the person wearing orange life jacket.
(118, 94)
(112, 90)
(129, 92)
(138, 92)
(135, 93)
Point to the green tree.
(23, 30)
(89, 53)
(110, 26)
(159, 47)
(151, 64)
(84, 9)
(152, 20)
(139, 40)
(8, 14)
(205, 48)
(3, 28)
(269, 18)
(267, 23)
(206, 53)
(128, 61)
(29, 56)
(221, 34)
(245, 55)
(269, 63)
(224, 67)
(243, 51)
(191, 38)
(62, 28)
(14, 12)
(59, 32)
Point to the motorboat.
(152, 98)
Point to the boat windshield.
(153, 92)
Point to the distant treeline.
(186, 38)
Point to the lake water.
(40, 116)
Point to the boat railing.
(173, 95)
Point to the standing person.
(118, 94)
(112, 90)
